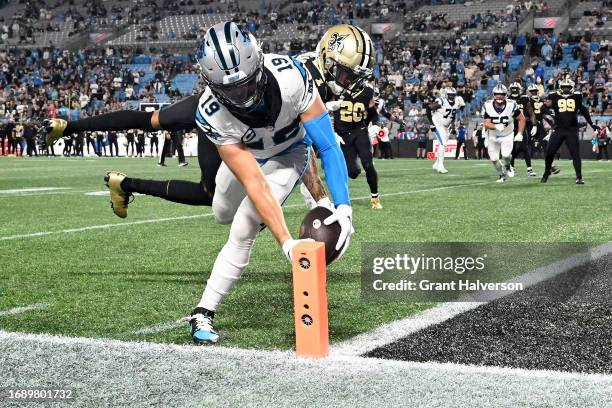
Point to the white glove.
(534, 130)
(500, 127)
(289, 244)
(343, 215)
(339, 139)
(518, 137)
(332, 105)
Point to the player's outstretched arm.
(587, 116)
(318, 126)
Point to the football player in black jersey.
(566, 105)
(522, 143)
(345, 56)
(540, 111)
(181, 116)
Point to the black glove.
(432, 128)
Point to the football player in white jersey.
(499, 114)
(258, 109)
(443, 112)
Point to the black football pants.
(568, 136)
(357, 144)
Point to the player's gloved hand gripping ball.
(333, 228)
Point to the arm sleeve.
(320, 132)
(372, 114)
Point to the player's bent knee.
(354, 173)
(223, 214)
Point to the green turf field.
(101, 276)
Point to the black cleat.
(579, 181)
(555, 170)
(544, 178)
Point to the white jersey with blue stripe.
(445, 114)
(293, 93)
(504, 116)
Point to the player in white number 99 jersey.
(262, 112)
(499, 115)
(443, 112)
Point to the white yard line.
(186, 217)
(32, 190)
(22, 309)
(162, 326)
(103, 226)
(396, 330)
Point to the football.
(313, 227)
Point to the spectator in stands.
(547, 53)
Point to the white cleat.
(501, 179)
(435, 166)
(510, 172)
(442, 170)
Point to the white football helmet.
(500, 93)
(231, 64)
(450, 94)
(534, 92)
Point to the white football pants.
(231, 205)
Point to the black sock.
(178, 191)
(120, 120)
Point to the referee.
(566, 104)
(175, 138)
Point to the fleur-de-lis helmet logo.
(335, 42)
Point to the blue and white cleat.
(201, 326)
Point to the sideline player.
(522, 143)
(499, 114)
(441, 114)
(566, 105)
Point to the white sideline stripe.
(32, 189)
(162, 327)
(103, 226)
(105, 193)
(396, 330)
(22, 309)
(187, 217)
(231, 354)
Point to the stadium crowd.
(37, 83)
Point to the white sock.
(232, 259)
(440, 158)
(499, 167)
